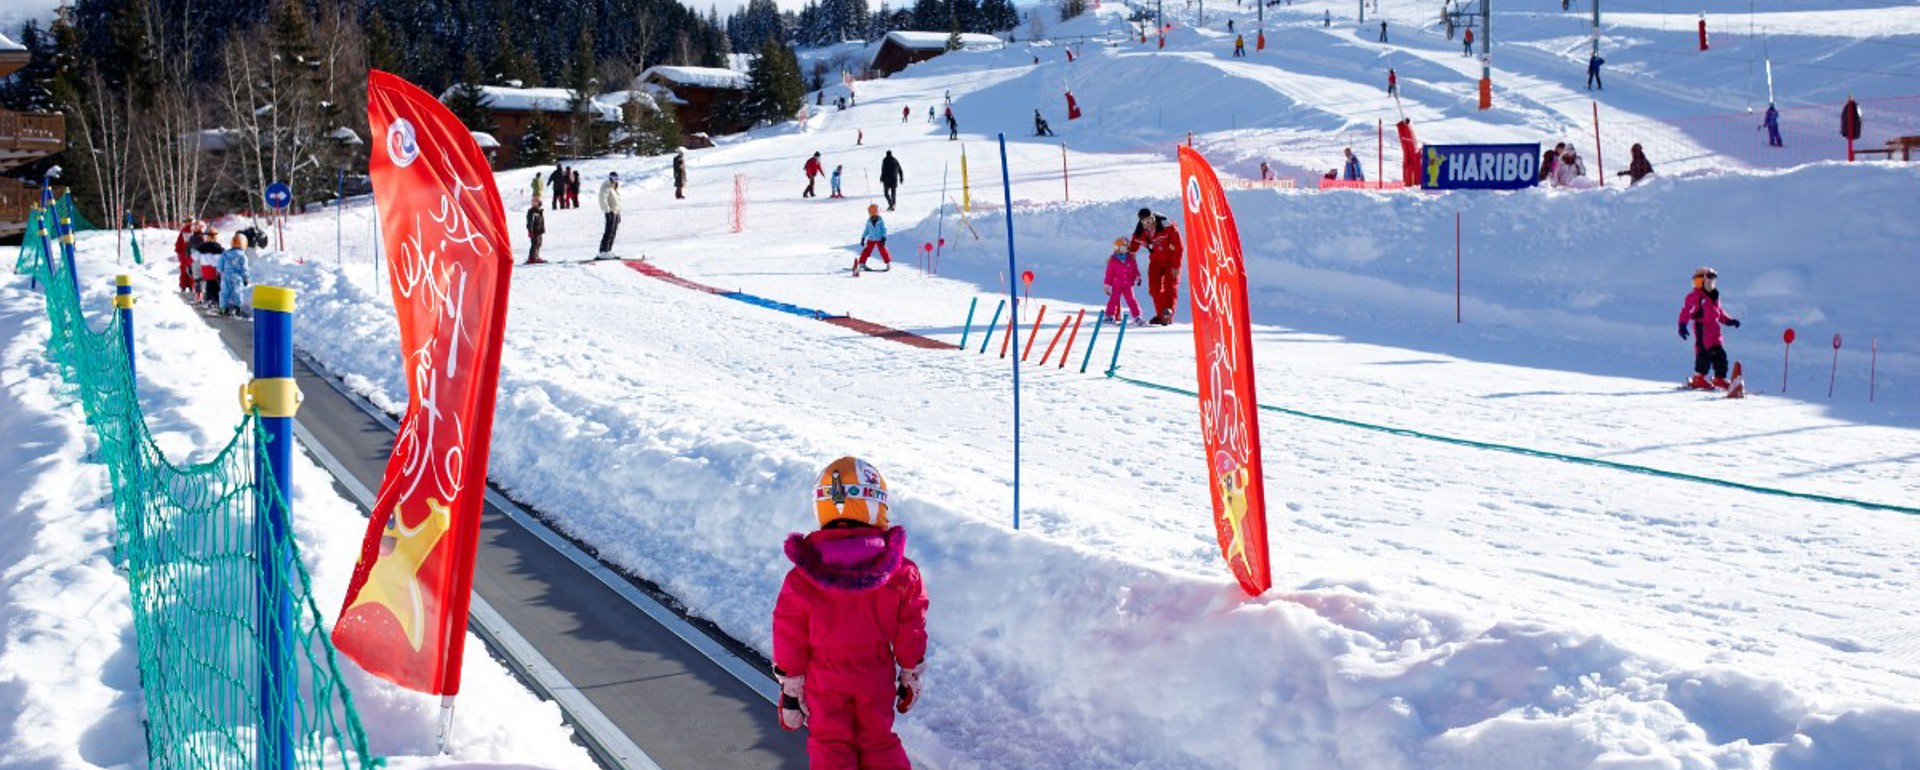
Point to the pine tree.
(582, 116)
(468, 102)
(930, 15)
(1072, 8)
(658, 128)
(774, 92)
(31, 88)
(536, 145)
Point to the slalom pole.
(339, 206)
(1873, 368)
(1114, 366)
(273, 395)
(940, 225)
(995, 324)
(1456, 267)
(1075, 333)
(1033, 332)
(1092, 342)
(1066, 188)
(1599, 160)
(1835, 374)
(1013, 320)
(123, 307)
(1380, 147)
(969, 327)
(1064, 323)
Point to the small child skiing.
(873, 237)
(233, 276)
(850, 625)
(1702, 310)
(836, 184)
(1122, 275)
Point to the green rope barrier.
(186, 538)
(1576, 459)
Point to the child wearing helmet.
(873, 237)
(1122, 275)
(850, 625)
(1702, 311)
(836, 184)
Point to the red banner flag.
(405, 617)
(1073, 107)
(1223, 348)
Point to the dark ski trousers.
(809, 192)
(533, 249)
(606, 238)
(893, 193)
(1715, 357)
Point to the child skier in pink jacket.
(850, 626)
(1702, 312)
(1122, 275)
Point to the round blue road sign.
(279, 195)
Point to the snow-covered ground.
(1438, 604)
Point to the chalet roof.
(701, 77)
(485, 140)
(7, 44)
(619, 99)
(926, 41)
(504, 99)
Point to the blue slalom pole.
(123, 306)
(66, 247)
(969, 327)
(1091, 342)
(995, 324)
(1117, 342)
(1013, 324)
(275, 397)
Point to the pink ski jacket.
(1122, 271)
(851, 608)
(1702, 316)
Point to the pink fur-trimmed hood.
(858, 559)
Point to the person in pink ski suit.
(1122, 275)
(1702, 312)
(850, 626)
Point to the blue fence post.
(969, 327)
(1117, 342)
(995, 324)
(66, 247)
(275, 397)
(1092, 341)
(123, 306)
(1013, 323)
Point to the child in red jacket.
(850, 626)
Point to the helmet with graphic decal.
(1703, 275)
(853, 491)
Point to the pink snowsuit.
(851, 609)
(1702, 315)
(1122, 274)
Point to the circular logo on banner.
(402, 147)
(1193, 194)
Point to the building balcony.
(27, 137)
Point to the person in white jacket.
(610, 204)
(1572, 173)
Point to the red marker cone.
(1738, 388)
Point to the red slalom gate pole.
(1599, 160)
(1064, 322)
(1033, 333)
(1456, 267)
(1786, 357)
(1007, 339)
(1835, 374)
(1380, 147)
(1873, 368)
(1070, 336)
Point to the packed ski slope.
(1437, 604)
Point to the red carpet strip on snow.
(868, 328)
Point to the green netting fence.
(192, 544)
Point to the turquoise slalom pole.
(1117, 342)
(969, 327)
(1092, 342)
(995, 324)
(273, 395)
(123, 306)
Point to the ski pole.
(969, 327)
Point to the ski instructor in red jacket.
(1162, 243)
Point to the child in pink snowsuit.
(1122, 275)
(1702, 311)
(850, 626)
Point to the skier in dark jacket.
(1639, 169)
(1702, 311)
(558, 181)
(1772, 124)
(890, 178)
(1593, 72)
(536, 229)
(680, 174)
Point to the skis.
(1736, 385)
(857, 269)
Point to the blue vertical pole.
(123, 305)
(339, 204)
(66, 246)
(971, 306)
(1117, 342)
(1013, 324)
(274, 396)
(1095, 340)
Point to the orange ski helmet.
(851, 489)
(1702, 275)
